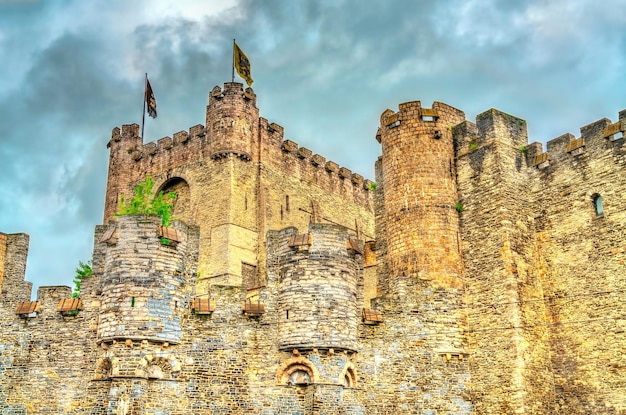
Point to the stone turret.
(124, 147)
(145, 284)
(420, 194)
(318, 294)
(232, 121)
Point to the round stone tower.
(144, 283)
(420, 194)
(232, 121)
(317, 296)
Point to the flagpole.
(143, 115)
(233, 79)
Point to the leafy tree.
(143, 203)
(83, 270)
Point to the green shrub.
(473, 145)
(83, 270)
(142, 202)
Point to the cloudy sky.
(72, 70)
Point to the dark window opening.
(598, 206)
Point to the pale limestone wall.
(583, 258)
(46, 359)
(414, 362)
(509, 352)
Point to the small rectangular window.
(598, 206)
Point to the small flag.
(150, 100)
(242, 64)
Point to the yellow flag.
(242, 64)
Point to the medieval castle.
(480, 274)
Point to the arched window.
(160, 366)
(597, 205)
(297, 371)
(348, 375)
(298, 374)
(182, 208)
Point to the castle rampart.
(581, 226)
(499, 283)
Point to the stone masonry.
(480, 274)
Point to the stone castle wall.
(226, 361)
(583, 258)
(544, 289)
(237, 178)
(508, 340)
(497, 276)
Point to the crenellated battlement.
(195, 138)
(318, 164)
(193, 145)
(595, 139)
(437, 120)
(496, 127)
(492, 126)
(138, 150)
(231, 90)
